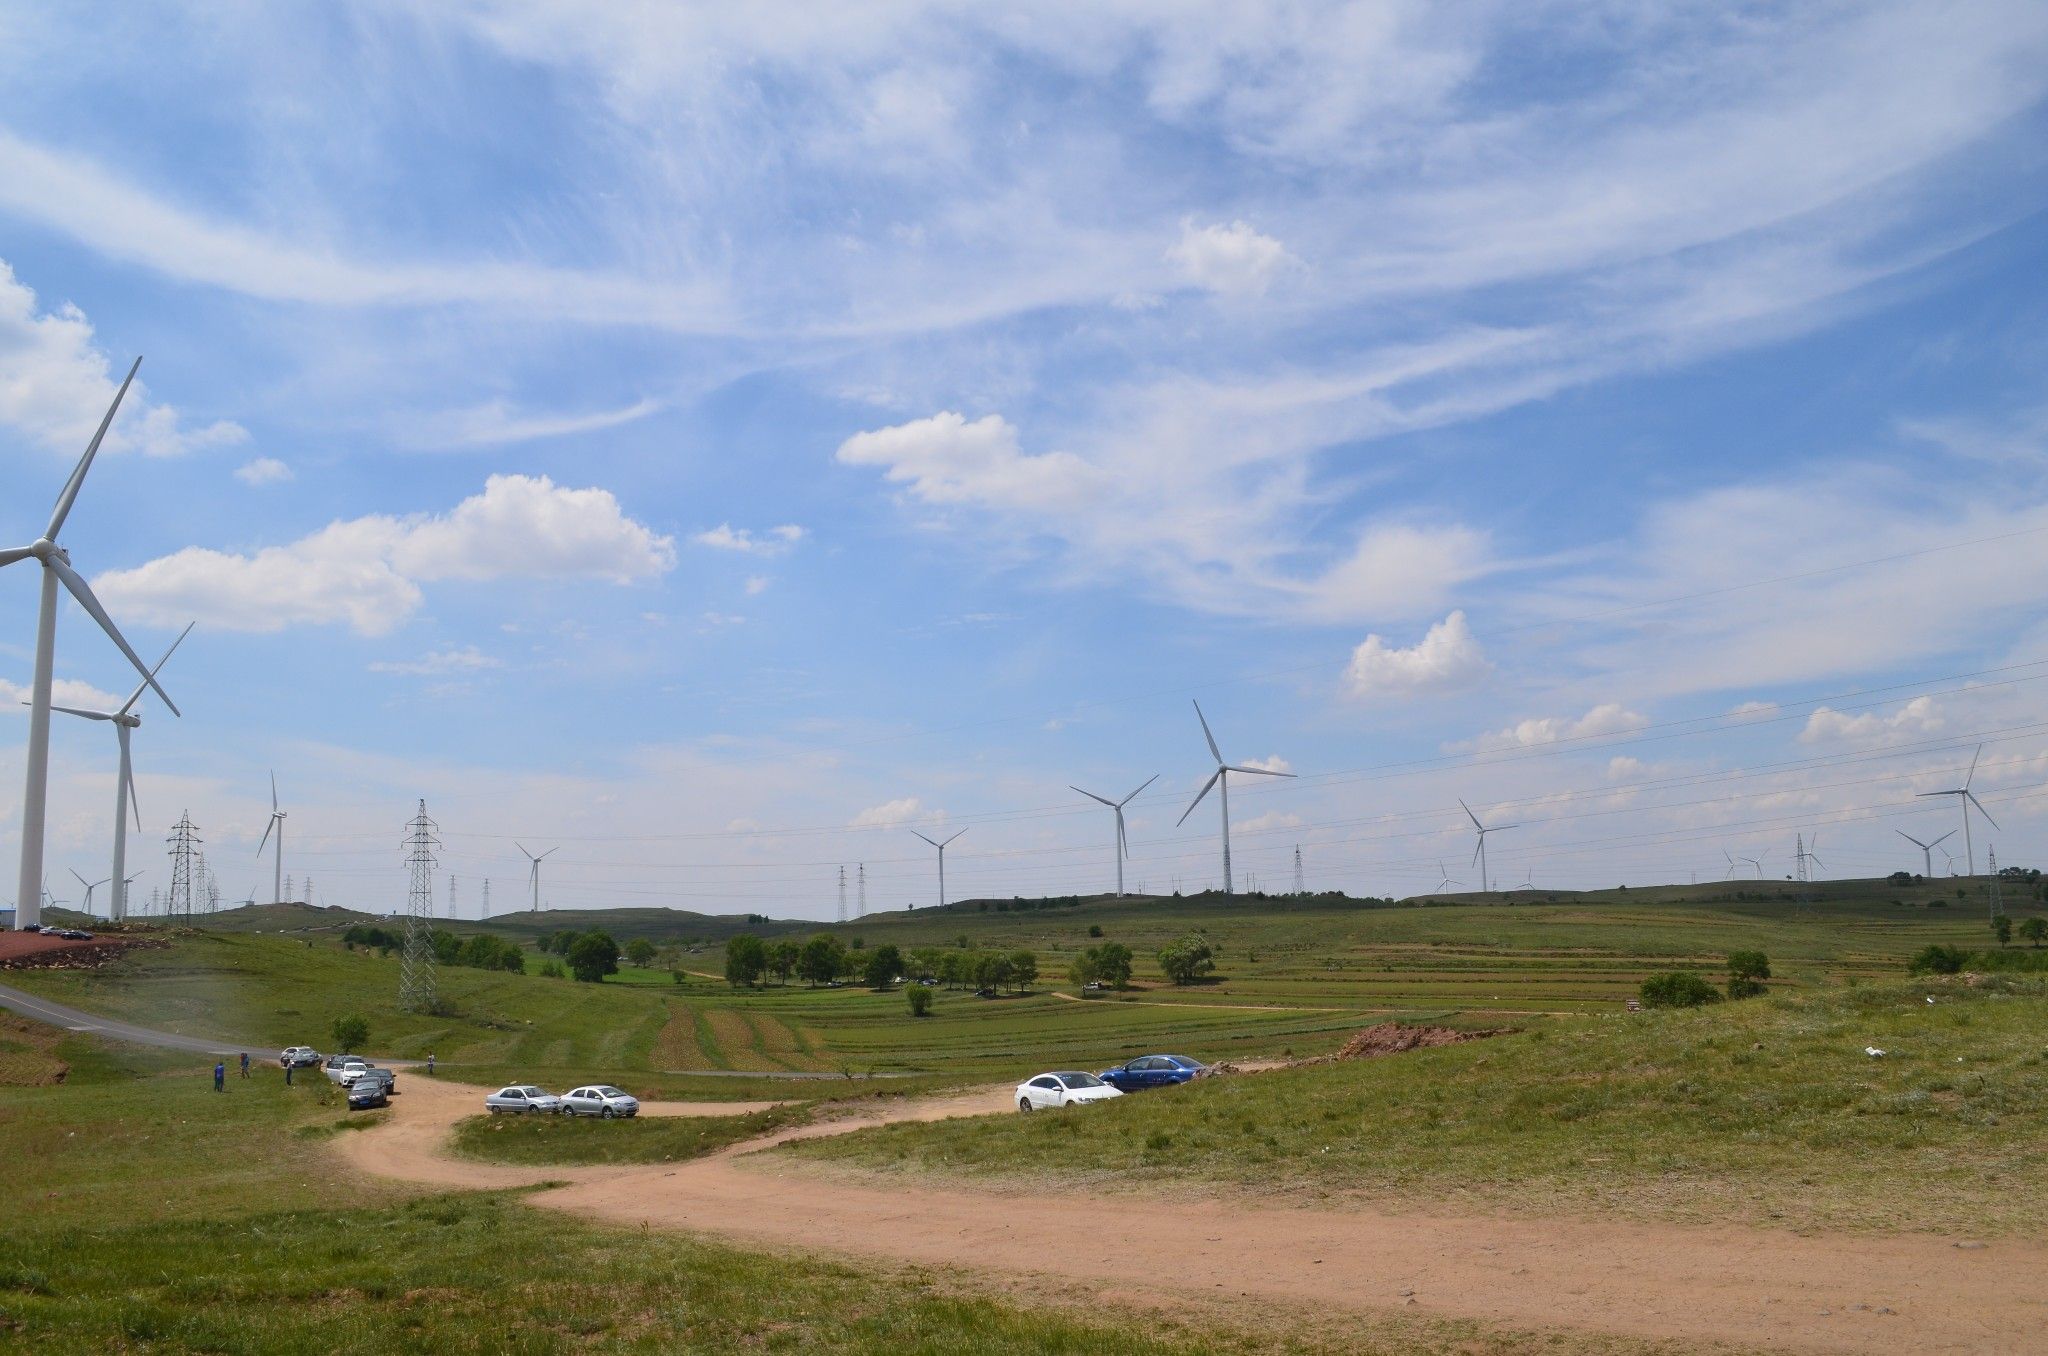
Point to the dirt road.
(1753, 1288)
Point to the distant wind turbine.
(1757, 862)
(1926, 849)
(90, 886)
(534, 870)
(1479, 853)
(1221, 778)
(1446, 878)
(56, 563)
(125, 719)
(942, 859)
(1966, 798)
(1123, 845)
(276, 823)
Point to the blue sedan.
(1153, 1071)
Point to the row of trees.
(479, 951)
(750, 961)
(1747, 971)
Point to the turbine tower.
(1479, 853)
(277, 863)
(90, 886)
(1221, 778)
(1123, 844)
(56, 563)
(1926, 850)
(533, 872)
(124, 720)
(1966, 798)
(942, 864)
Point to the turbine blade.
(136, 695)
(1134, 795)
(1911, 839)
(1499, 827)
(135, 803)
(273, 792)
(1469, 815)
(1092, 796)
(80, 879)
(1123, 843)
(1971, 796)
(550, 852)
(79, 711)
(1205, 732)
(522, 851)
(1475, 851)
(925, 839)
(14, 553)
(1198, 798)
(955, 836)
(1973, 767)
(1950, 834)
(1258, 771)
(1923, 795)
(266, 834)
(71, 487)
(82, 591)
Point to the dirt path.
(1753, 1288)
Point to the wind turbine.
(1221, 778)
(124, 720)
(277, 817)
(1731, 865)
(1479, 853)
(1757, 862)
(90, 886)
(56, 563)
(1966, 798)
(1446, 878)
(1123, 846)
(1926, 850)
(534, 871)
(942, 856)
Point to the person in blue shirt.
(220, 1077)
(245, 1064)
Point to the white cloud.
(757, 585)
(367, 571)
(1233, 259)
(946, 460)
(1447, 658)
(1271, 763)
(496, 422)
(1622, 767)
(63, 692)
(1272, 819)
(723, 619)
(263, 471)
(467, 659)
(1604, 719)
(889, 814)
(1922, 715)
(774, 542)
(55, 385)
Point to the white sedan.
(599, 1099)
(1062, 1089)
(521, 1098)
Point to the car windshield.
(1079, 1080)
(610, 1092)
(1184, 1062)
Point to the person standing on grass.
(220, 1077)
(245, 1064)
(430, 1061)
(288, 1074)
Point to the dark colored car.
(1153, 1071)
(365, 1093)
(384, 1078)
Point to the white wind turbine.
(533, 870)
(1966, 798)
(1446, 878)
(1926, 849)
(90, 886)
(124, 720)
(1221, 778)
(56, 563)
(276, 823)
(942, 859)
(1479, 853)
(1757, 862)
(1123, 846)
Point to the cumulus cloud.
(63, 691)
(1273, 763)
(367, 571)
(1447, 657)
(947, 460)
(1234, 259)
(263, 471)
(1606, 718)
(889, 814)
(55, 385)
(774, 542)
(1272, 819)
(467, 659)
(1922, 715)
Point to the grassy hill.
(666, 926)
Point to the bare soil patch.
(40, 950)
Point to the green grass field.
(644, 1139)
(1762, 1112)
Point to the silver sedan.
(522, 1098)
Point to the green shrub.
(1738, 988)
(351, 1033)
(1677, 989)
(1937, 959)
(920, 999)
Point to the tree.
(821, 960)
(1023, 969)
(2034, 930)
(640, 951)
(594, 956)
(919, 997)
(1747, 970)
(1936, 959)
(2001, 927)
(1677, 989)
(1188, 959)
(1095, 929)
(885, 962)
(447, 946)
(782, 958)
(513, 958)
(1111, 963)
(745, 959)
(350, 1033)
(1082, 972)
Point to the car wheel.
(1024, 1105)
(607, 1113)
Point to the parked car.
(1050, 1090)
(298, 1057)
(349, 1072)
(599, 1099)
(375, 1074)
(1153, 1071)
(522, 1098)
(335, 1063)
(365, 1093)
(74, 934)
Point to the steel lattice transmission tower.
(862, 903)
(487, 898)
(1997, 900)
(1299, 888)
(454, 908)
(184, 841)
(416, 988)
(842, 894)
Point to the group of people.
(220, 1071)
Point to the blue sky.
(717, 439)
